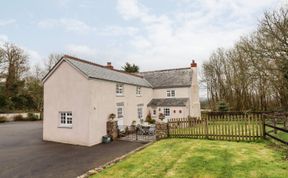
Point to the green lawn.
(201, 158)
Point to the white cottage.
(80, 95)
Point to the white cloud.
(77, 26)
(81, 50)
(34, 56)
(7, 22)
(193, 30)
(71, 25)
(117, 31)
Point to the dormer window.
(138, 91)
(119, 89)
(170, 93)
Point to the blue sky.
(154, 34)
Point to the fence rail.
(230, 126)
(275, 123)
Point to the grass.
(201, 158)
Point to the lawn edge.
(99, 169)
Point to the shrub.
(223, 106)
(161, 116)
(111, 116)
(3, 119)
(133, 123)
(19, 117)
(149, 119)
(32, 117)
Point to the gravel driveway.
(24, 154)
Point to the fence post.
(275, 124)
(136, 133)
(206, 127)
(263, 125)
(168, 134)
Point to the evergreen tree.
(222, 106)
(130, 68)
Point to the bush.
(149, 119)
(3, 119)
(223, 106)
(32, 117)
(19, 117)
(161, 116)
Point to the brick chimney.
(109, 65)
(193, 64)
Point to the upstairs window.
(119, 89)
(65, 119)
(170, 93)
(138, 91)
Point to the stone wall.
(112, 129)
(161, 130)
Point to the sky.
(154, 34)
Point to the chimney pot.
(109, 65)
(193, 64)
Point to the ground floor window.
(140, 112)
(65, 119)
(120, 112)
(154, 112)
(166, 111)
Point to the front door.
(120, 115)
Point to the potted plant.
(161, 116)
(133, 123)
(111, 117)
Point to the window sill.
(139, 95)
(65, 127)
(120, 95)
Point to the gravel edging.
(111, 163)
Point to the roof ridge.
(163, 70)
(95, 64)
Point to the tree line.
(253, 74)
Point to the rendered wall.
(103, 103)
(66, 90)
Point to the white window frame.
(138, 91)
(154, 113)
(171, 93)
(120, 116)
(65, 119)
(119, 89)
(140, 112)
(165, 111)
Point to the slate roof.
(168, 102)
(181, 77)
(97, 71)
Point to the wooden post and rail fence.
(237, 126)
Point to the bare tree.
(253, 75)
(15, 64)
(53, 58)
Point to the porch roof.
(168, 102)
